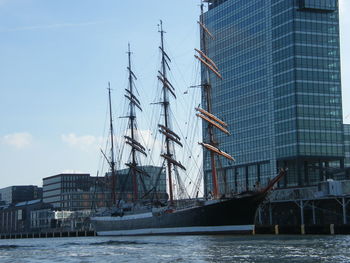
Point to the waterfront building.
(42, 218)
(20, 193)
(73, 192)
(281, 90)
(56, 188)
(16, 218)
(73, 220)
(153, 178)
(76, 192)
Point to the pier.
(330, 229)
(55, 234)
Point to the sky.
(56, 59)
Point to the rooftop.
(66, 174)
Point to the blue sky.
(56, 58)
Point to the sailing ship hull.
(229, 216)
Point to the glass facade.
(324, 5)
(281, 90)
(347, 144)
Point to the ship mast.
(112, 161)
(169, 135)
(207, 89)
(132, 120)
(132, 141)
(206, 115)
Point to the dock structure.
(314, 208)
(54, 234)
(320, 209)
(330, 229)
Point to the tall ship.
(218, 212)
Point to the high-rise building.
(281, 89)
(347, 144)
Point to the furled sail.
(132, 73)
(205, 29)
(209, 65)
(171, 137)
(133, 101)
(216, 150)
(166, 57)
(207, 59)
(169, 131)
(135, 142)
(137, 169)
(211, 116)
(167, 85)
(166, 80)
(137, 148)
(213, 123)
(133, 96)
(174, 162)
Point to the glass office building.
(347, 144)
(281, 89)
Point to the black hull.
(234, 215)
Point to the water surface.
(261, 248)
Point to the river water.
(262, 248)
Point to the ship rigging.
(223, 213)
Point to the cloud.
(84, 142)
(145, 138)
(90, 143)
(48, 27)
(18, 140)
(149, 139)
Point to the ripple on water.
(249, 249)
(5, 247)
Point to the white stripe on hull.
(179, 230)
(123, 218)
